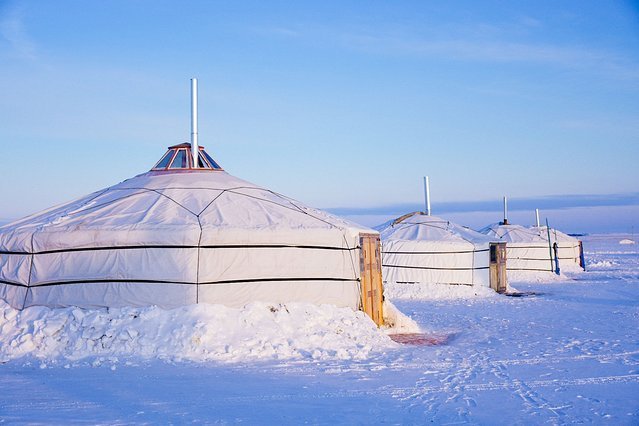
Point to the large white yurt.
(188, 232)
(420, 248)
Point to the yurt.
(568, 251)
(527, 252)
(423, 249)
(419, 248)
(188, 232)
(536, 250)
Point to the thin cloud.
(489, 51)
(515, 204)
(13, 31)
(479, 43)
(278, 32)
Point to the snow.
(433, 291)
(194, 333)
(567, 353)
(626, 241)
(537, 276)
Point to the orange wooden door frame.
(498, 277)
(372, 290)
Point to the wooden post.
(372, 291)
(498, 277)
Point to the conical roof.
(555, 235)
(418, 226)
(175, 208)
(512, 233)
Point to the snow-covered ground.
(569, 353)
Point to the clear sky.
(338, 104)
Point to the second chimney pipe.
(194, 146)
(505, 210)
(537, 216)
(427, 195)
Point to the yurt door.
(371, 277)
(498, 280)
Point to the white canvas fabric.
(568, 248)
(177, 238)
(428, 249)
(527, 249)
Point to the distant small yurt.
(419, 248)
(529, 250)
(526, 250)
(569, 250)
(188, 232)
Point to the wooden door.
(372, 292)
(498, 278)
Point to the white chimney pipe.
(537, 216)
(427, 195)
(194, 146)
(505, 210)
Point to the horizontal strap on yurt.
(277, 246)
(433, 268)
(140, 281)
(528, 269)
(13, 283)
(514, 247)
(533, 259)
(256, 280)
(446, 284)
(435, 252)
(143, 247)
(106, 281)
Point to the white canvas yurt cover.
(569, 249)
(179, 235)
(419, 248)
(525, 249)
(528, 249)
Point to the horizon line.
(544, 202)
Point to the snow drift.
(193, 333)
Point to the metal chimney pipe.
(194, 146)
(505, 210)
(537, 215)
(427, 195)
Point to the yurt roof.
(418, 226)
(555, 235)
(182, 206)
(512, 233)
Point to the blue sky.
(338, 104)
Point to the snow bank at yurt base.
(197, 333)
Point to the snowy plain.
(567, 354)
